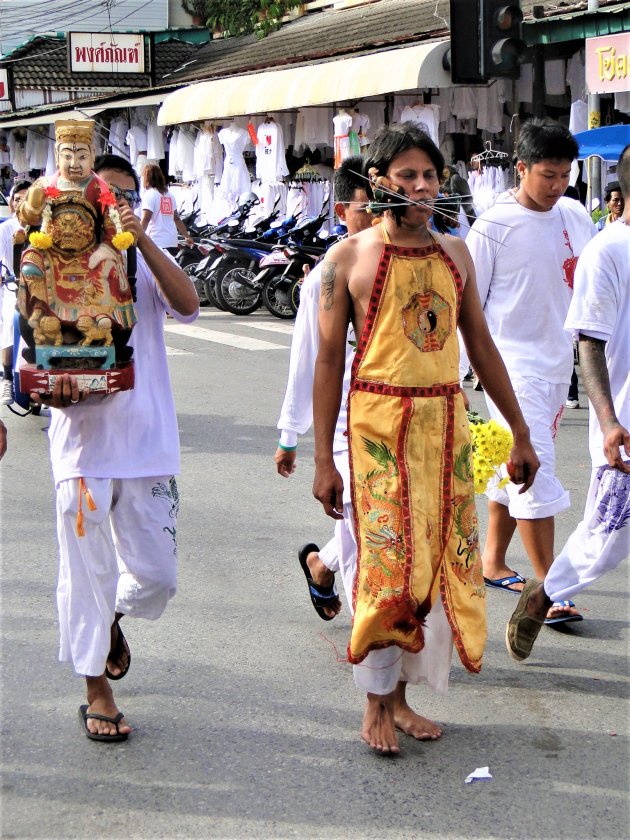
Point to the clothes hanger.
(490, 156)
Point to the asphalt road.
(246, 724)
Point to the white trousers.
(382, 670)
(600, 542)
(542, 404)
(126, 562)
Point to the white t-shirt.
(296, 415)
(601, 308)
(524, 265)
(161, 228)
(132, 434)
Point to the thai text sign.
(104, 52)
(608, 63)
(4, 86)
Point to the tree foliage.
(242, 17)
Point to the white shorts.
(126, 562)
(542, 404)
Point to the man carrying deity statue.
(73, 287)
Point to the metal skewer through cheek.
(431, 204)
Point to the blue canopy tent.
(606, 143)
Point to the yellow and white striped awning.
(405, 68)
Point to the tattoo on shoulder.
(328, 284)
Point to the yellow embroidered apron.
(411, 474)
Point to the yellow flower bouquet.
(491, 446)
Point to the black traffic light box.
(485, 40)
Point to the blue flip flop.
(563, 619)
(321, 596)
(505, 583)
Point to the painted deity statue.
(73, 288)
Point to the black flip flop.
(120, 646)
(84, 716)
(321, 596)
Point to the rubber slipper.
(115, 654)
(321, 596)
(563, 619)
(84, 716)
(505, 583)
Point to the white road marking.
(285, 329)
(243, 342)
(175, 351)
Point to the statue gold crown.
(74, 131)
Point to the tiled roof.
(43, 65)
(333, 32)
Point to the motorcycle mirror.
(233, 223)
(324, 233)
(276, 223)
(250, 229)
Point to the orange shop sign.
(608, 63)
(105, 52)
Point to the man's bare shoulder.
(348, 250)
(456, 249)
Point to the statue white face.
(75, 160)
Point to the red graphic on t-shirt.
(568, 266)
(166, 205)
(268, 139)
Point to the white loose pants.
(600, 542)
(126, 562)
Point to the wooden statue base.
(120, 378)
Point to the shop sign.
(608, 63)
(104, 52)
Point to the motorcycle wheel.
(198, 283)
(277, 302)
(210, 286)
(234, 294)
(294, 294)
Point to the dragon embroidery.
(381, 507)
(466, 525)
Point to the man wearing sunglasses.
(114, 459)
(7, 296)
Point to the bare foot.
(324, 578)
(100, 698)
(378, 729)
(411, 723)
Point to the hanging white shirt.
(271, 163)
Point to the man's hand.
(285, 461)
(65, 392)
(328, 489)
(523, 464)
(130, 221)
(3, 439)
(615, 437)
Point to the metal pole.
(594, 121)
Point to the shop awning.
(405, 68)
(47, 117)
(607, 142)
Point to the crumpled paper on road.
(479, 774)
